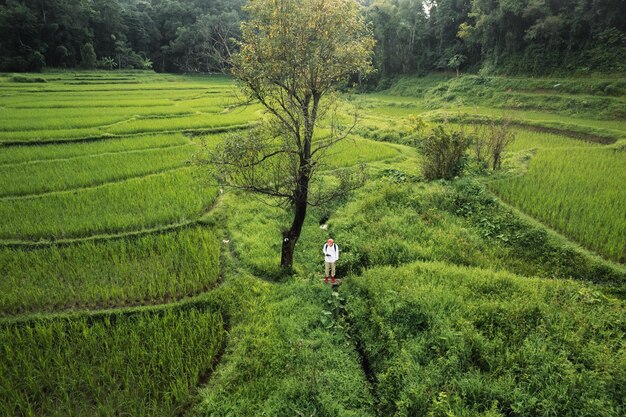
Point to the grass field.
(572, 184)
(140, 364)
(130, 284)
(109, 273)
(445, 340)
(579, 193)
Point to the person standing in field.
(331, 256)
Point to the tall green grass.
(525, 139)
(285, 356)
(109, 273)
(445, 340)
(355, 150)
(141, 203)
(47, 119)
(580, 192)
(22, 154)
(138, 365)
(46, 176)
(234, 117)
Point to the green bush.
(444, 153)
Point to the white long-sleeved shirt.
(331, 253)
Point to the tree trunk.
(301, 198)
(290, 237)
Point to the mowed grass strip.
(144, 364)
(57, 175)
(579, 192)
(449, 340)
(11, 155)
(109, 273)
(174, 197)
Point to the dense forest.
(413, 36)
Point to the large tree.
(292, 54)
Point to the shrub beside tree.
(444, 153)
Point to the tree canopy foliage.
(413, 36)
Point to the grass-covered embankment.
(447, 340)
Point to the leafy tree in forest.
(292, 54)
(88, 55)
(455, 63)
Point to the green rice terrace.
(132, 284)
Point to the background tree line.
(413, 36)
(167, 35)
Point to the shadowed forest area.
(413, 36)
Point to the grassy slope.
(579, 194)
(291, 345)
(447, 340)
(577, 191)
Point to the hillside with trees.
(413, 36)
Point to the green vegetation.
(132, 285)
(22, 154)
(443, 153)
(413, 37)
(448, 340)
(109, 273)
(135, 204)
(285, 357)
(577, 191)
(91, 170)
(142, 363)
